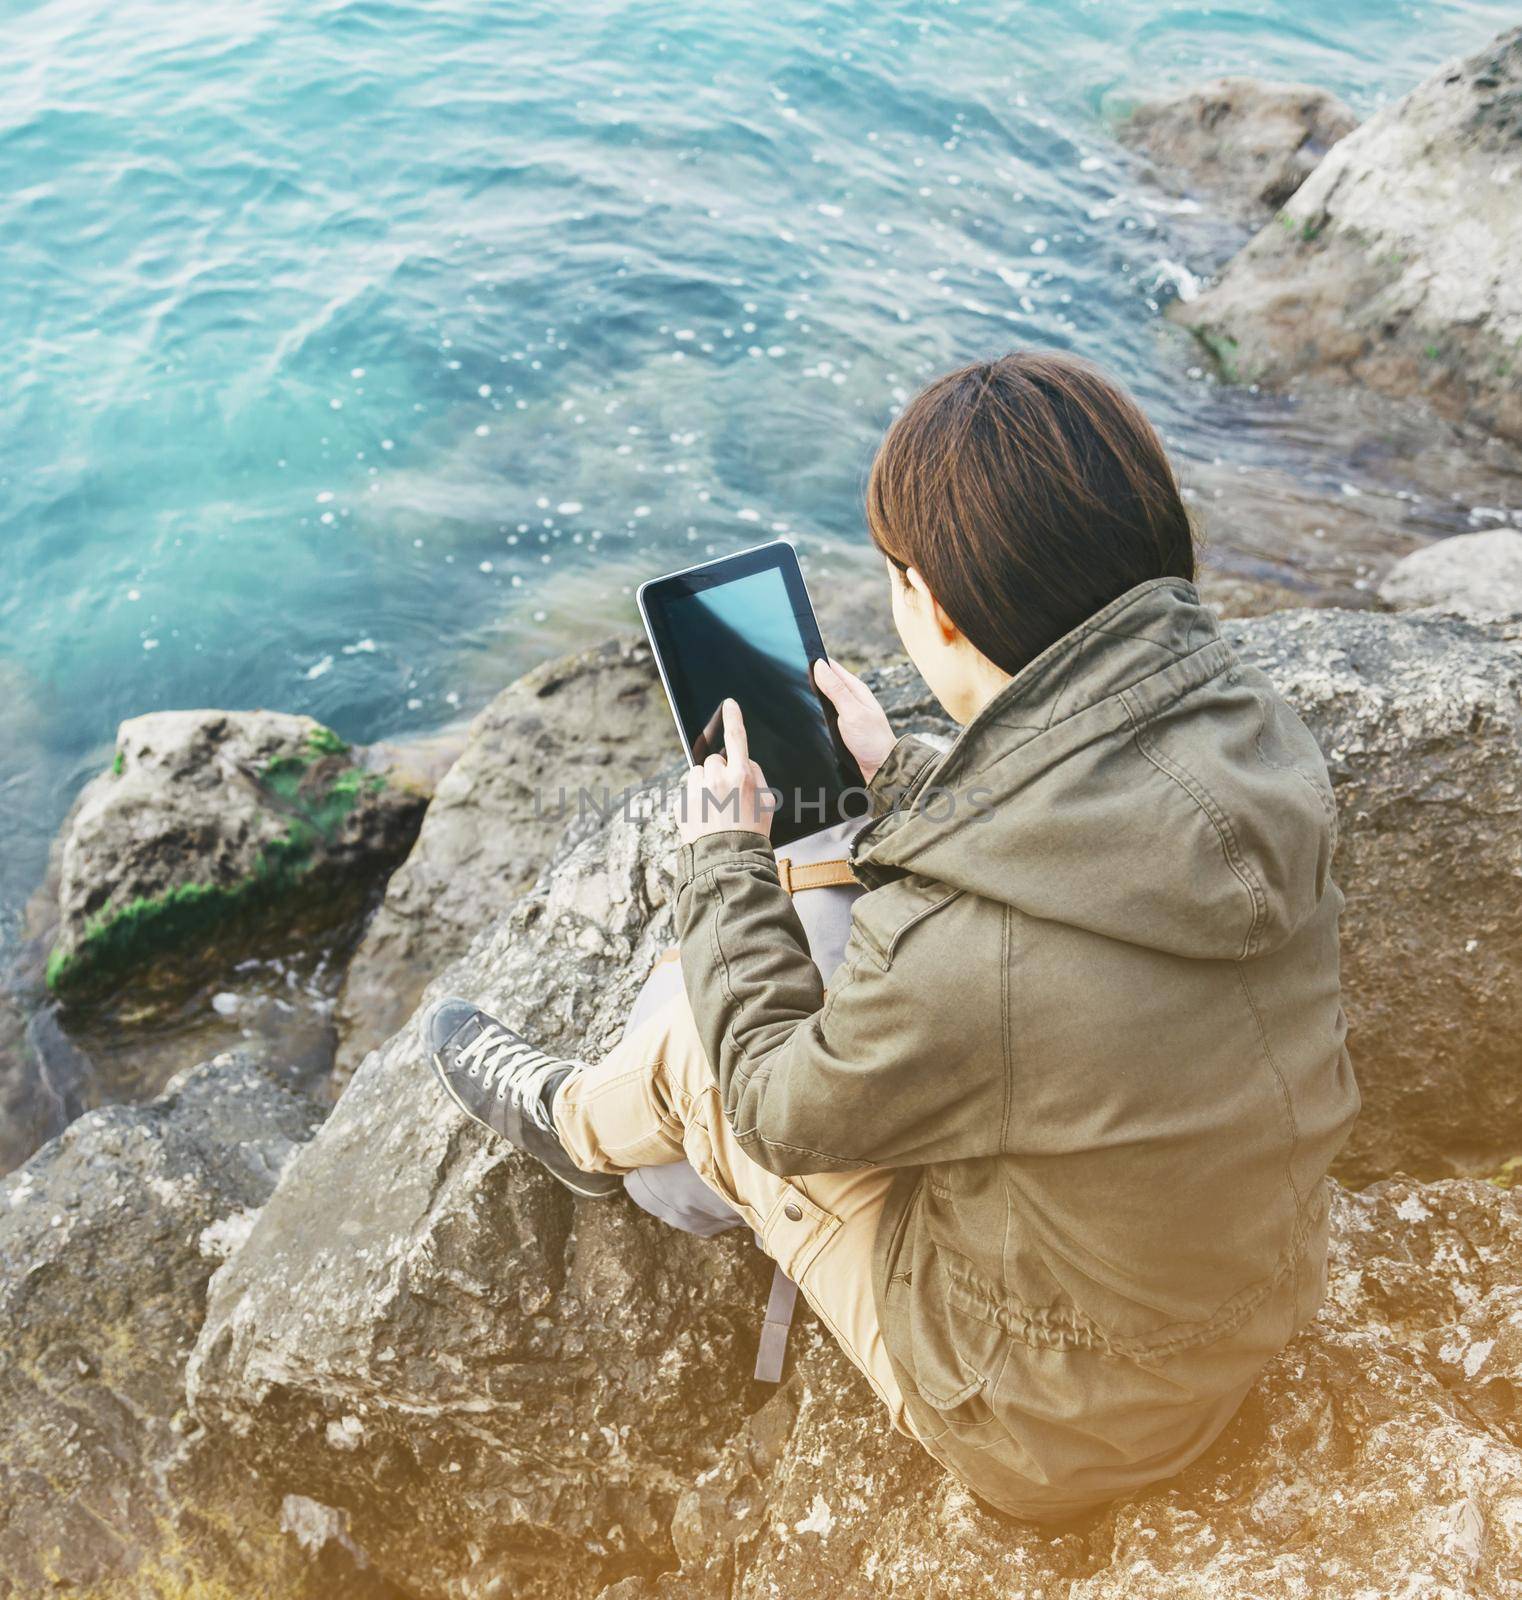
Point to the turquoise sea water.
(355, 356)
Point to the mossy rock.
(209, 830)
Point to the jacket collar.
(1158, 630)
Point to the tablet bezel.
(775, 555)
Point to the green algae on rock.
(207, 824)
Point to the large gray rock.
(508, 1393)
(1420, 720)
(498, 1387)
(1394, 264)
(1244, 144)
(107, 1238)
(1476, 573)
(207, 824)
(597, 723)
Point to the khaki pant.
(654, 1100)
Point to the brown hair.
(1028, 492)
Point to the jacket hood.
(1136, 780)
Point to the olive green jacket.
(1090, 1008)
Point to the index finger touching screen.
(742, 628)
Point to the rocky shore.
(1392, 266)
(261, 1344)
(418, 1363)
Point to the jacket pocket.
(880, 918)
(948, 1382)
(957, 1364)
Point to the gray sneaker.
(496, 1077)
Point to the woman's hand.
(864, 725)
(727, 791)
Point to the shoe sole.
(449, 1089)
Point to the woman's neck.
(978, 681)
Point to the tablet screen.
(751, 635)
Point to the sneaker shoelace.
(515, 1069)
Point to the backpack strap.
(772, 1349)
(814, 875)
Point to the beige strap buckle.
(814, 874)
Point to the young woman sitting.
(1048, 1158)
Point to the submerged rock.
(1476, 573)
(509, 1392)
(1394, 264)
(1244, 144)
(206, 824)
(571, 736)
(107, 1238)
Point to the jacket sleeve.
(816, 1083)
(903, 767)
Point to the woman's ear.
(947, 629)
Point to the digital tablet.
(742, 627)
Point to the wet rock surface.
(107, 1239)
(27, 1117)
(1393, 264)
(1243, 144)
(506, 1391)
(1476, 573)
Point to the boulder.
(1243, 144)
(1476, 573)
(569, 737)
(443, 1345)
(507, 1392)
(209, 825)
(1393, 264)
(1420, 720)
(107, 1238)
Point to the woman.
(1048, 1159)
